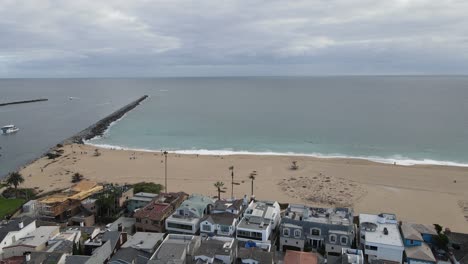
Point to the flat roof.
(37, 237)
(393, 238)
(253, 223)
(143, 240)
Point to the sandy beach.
(423, 194)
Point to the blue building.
(417, 239)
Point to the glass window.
(344, 240)
(332, 238)
(206, 228)
(224, 228)
(297, 233)
(179, 226)
(315, 231)
(286, 232)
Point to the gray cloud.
(169, 37)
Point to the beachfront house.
(176, 248)
(223, 219)
(60, 207)
(14, 229)
(139, 200)
(186, 218)
(37, 240)
(223, 224)
(218, 250)
(260, 219)
(153, 216)
(315, 228)
(235, 207)
(379, 238)
(416, 238)
(254, 255)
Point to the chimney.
(21, 224)
(27, 256)
(245, 200)
(81, 224)
(252, 198)
(119, 227)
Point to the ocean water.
(404, 119)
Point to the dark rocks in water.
(101, 126)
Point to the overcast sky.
(125, 38)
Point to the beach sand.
(423, 194)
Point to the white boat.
(9, 129)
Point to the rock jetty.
(25, 101)
(101, 126)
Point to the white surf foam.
(395, 159)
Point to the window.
(179, 226)
(297, 233)
(344, 240)
(315, 231)
(206, 228)
(138, 220)
(371, 247)
(249, 235)
(286, 232)
(332, 239)
(224, 228)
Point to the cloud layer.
(184, 38)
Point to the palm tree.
(231, 168)
(252, 177)
(15, 179)
(219, 185)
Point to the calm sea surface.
(410, 120)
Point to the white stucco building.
(380, 237)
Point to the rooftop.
(13, 225)
(196, 203)
(144, 241)
(255, 254)
(377, 235)
(127, 223)
(298, 257)
(130, 255)
(157, 208)
(213, 247)
(253, 223)
(45, 257)
(263, 209)
(145, 194)
(223, 205)
(410, 233)
(422, 252)
(221, 218)
(79, 191)
(175, 247)
(335, 216)
(423, 229)
(37, 237)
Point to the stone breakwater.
(24, 102)
(101, 126)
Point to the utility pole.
(165, 171)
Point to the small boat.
(8, 129)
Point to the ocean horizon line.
(394, 159)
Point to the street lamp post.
(165, 171)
